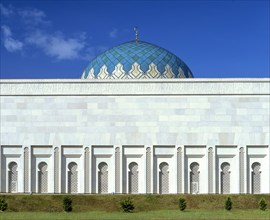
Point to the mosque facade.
(136, 122)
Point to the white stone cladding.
(114, 122)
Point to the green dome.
(135, 60)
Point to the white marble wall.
(82, 120)
(194, 114)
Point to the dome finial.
(136, 33)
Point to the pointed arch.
(72, 177)
(42, 177)
(225, 179)
(13, 177)
(103, 177)
(164, 178)
(194, 178)
(256, 178)
(133, 178)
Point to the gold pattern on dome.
(168, 73)
(134, 73)
(91, 74)
(145, 76)
(135, 70)
(118, 72)
(181, 73)
(103, 74)
(153, 71)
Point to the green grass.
(111, 203)
(160, 214)
(146, 207)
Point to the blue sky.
(57, 39)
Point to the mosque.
(136, 122)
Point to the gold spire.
(136, 33)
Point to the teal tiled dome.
(134, 60)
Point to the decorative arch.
(103, 177)
(72, 177)
(225, 179)
(164, 178)
(194, 178)
(13, 177)
(256, 178)
(133, 178)
(43, 177)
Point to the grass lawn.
(150, 206)
(160, 214)
(143, 203)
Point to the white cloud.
(33, 16)
(10, 43)
(114, 33)
(6, 11)
(6, 31)
(53, 44)
(58, 46)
